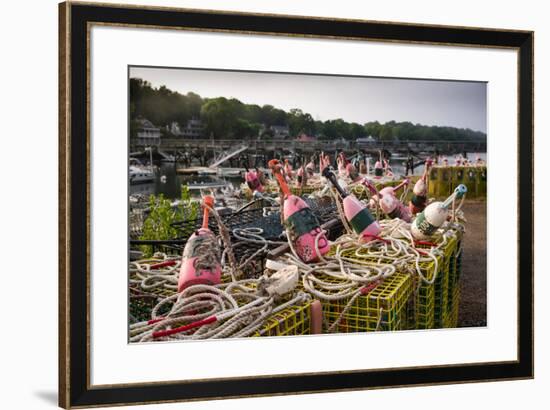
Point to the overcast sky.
(354, 99)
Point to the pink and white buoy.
(253, 181)
(361, 220)
(420, 191)
(430, 219)
(307, 238)
(201, 255)
(391, 205)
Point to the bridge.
(210, 152)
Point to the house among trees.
(147, 133)
(280, 132)
(193, 129)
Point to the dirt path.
(473, 301)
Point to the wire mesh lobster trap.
(292, 321)
(445, 298)
(434, 297)
(380, 307)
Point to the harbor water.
(170, 185)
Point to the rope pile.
(211, 312)
(160, 271)
(239, 308)
(355, 266)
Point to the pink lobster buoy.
(310, 168)
(253, 181)
(420, 192)
(387, 169)
(301, 175)
(378, 170)
(362, 167)
(351, 172)
(201, 256)
(324, 162)
(358, 216)
(390, 205)
(261, 177)
(288, 169)
(341, 165)
(347, 168)
(302, 224)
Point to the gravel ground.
(473, 301)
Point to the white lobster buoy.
(434, 215)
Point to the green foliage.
(159, 223)
(229, 118)
(157, 226)
(162, 106)
(300, 122)
(187, 210)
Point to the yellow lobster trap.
(444, 285)
(305, 190)
(380, 305)
(291, 321)
(451, 318)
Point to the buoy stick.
(327, 173)
(208, 202)
(370, 186)
(275, 168)
(401, 185)
(457, 194)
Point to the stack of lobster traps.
(251, 233)
(389, 283)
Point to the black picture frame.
(74, 209)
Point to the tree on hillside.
(300, 122)
(230, 118)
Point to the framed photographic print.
(257, 204)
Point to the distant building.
(303, 137)
(341, 142)
(193, 129)
(365, 140)
(147, 133)
(280, 131)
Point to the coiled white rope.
(211, 312)
(147, 276)
(375, 260)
